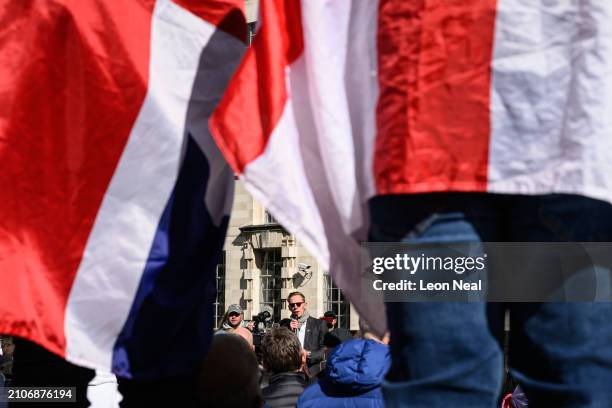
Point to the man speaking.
(310, 331)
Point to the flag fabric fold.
(114, 199)
(297, 124)
(340, 101)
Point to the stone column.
(289, 269)
(250, 274)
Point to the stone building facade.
(262, 263)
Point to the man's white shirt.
(302, 333)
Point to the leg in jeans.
(561, 353)
(443, 353)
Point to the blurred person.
(310, 331)
(286, 322)
(450, 351)
(366, 332)
(138, 393)
(34, 366)
(284, 359)
(353, 375)
(3, 392)
(245, 334)
(229, 376)
(6, 358)
(7, 346)
(6, 366)
(335, 335)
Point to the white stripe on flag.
(551, 98)
(279, 178)
(339, 39)
(313, 167)
(361, 82)
(325, 28)
(120, 241)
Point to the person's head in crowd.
(6, 359)
(229, 376)
(233, 316)
(331, 319)
(282, 352)
(286, 322)
(296, 301)
(8, 346)
(245, 334)
(366, 332)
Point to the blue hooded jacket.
(352, 377)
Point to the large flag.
(339, 101)
(295, 124)
(114, 199)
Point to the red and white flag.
(114, 199)
(339, 101)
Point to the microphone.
(296, 330)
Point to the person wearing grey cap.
(233, 318)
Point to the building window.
(270, 264)
(219, 304)
(337, 303)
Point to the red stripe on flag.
(433, 111)
(257, 94)
(227, 15)
(73, 77)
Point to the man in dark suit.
(310, 331)
(335, 335)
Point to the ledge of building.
(262, 227)
(265, 235)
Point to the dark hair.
(296, 293)
(229, 375)
(286, 322)
(281, 351)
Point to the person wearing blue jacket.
(352, 377)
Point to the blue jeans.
(448, 354)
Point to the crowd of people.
(304, 361)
